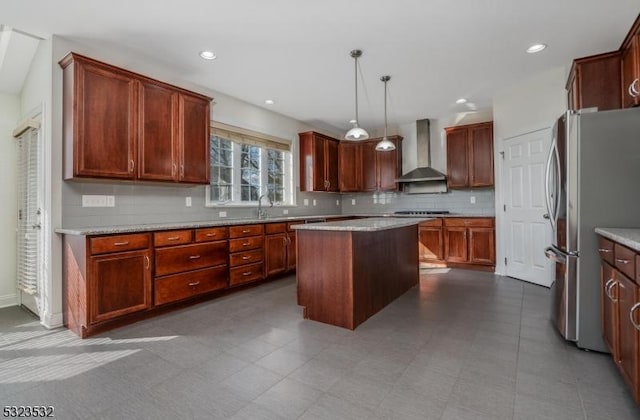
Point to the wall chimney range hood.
(424, 179)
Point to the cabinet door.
(431, 244)
(275, 249)
(388, 169)
(291, 252)
(157, 141)
(457, 158)
(482, 249)
(369, 167)
(630, 72)
(319, 164)
(331, 169)
(193, 137)
(609, 309)
(350, 167)
(629, 336)
(119, 284)
(455, 244)
(106, 122)
(481, 155)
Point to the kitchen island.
(349, 270)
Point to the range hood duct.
(424, 179)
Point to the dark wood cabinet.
(470, 241)
(431, 241)
(381, 169)
(595, 82)
(630, 86)
(121, 125)
(620, 309)
(275, 249)
(350, 167)
(470, 156)
(318, 162)
(246, 254)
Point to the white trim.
(9, 300)
(51, 321)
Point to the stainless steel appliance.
(592, 180)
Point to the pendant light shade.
(356, 133)
(385, 145)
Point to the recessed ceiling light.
(536, 48)
(269, 101)
(461, 101)
(207, 55)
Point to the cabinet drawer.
(270, 228)
(291, 224)
(172, 237)
(245, 230)
(245, 274)
(625, 260)
(182, 286)
(211, 234)
(190, 257)
(474, 222)
(245, 244)
(431, 223)
(242, 258)
(117, 243)
(605, 249)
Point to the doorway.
(526, 231)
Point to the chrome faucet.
(262, 213)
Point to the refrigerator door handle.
(556, 207)
(547, 197)
(553, 254)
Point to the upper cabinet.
(121, 125)
(595, 82)
(350, 166)
(470, 156)
(631, 68)
(387, 167)
(318, 162)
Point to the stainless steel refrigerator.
(592, 180)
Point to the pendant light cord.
(356, 83)
(385, 108)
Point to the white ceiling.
(296, 52)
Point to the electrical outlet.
(111, 200)
(306, 201)
(285, 211)
(353, 201)
(337, 202)
(472, 199)
(187, 201)
(222, 214)
(314, 202)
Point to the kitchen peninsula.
(349, 270)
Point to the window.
(246, 165)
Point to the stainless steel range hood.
(424, 179)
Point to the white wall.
(9, 116)
(532, 104)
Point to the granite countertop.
(372, 224)
(430, 216)
(626, 236)
(107, 230)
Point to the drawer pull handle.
(246, 258)
(147, 263)
(194, 257)
(606, 251)
(633, 321)
(195, 283)
(246, 231)
(247, 273)
(173, 238)
(209, 235)
(246, 244)
(621, 261)
(121, 243)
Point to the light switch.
(472, 199)
(353, 201)
(306, 201)
(187, 201)
(285, 211)
(314, 202)
(222, 214)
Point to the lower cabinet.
(279, 248)
(458, 241)
(246, 255)
(620, 309)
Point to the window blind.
(29, 233)
(244, 136)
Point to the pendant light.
(385, 145)
(356, 133)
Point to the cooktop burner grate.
(421, 212)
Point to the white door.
(30, 254)
(527, 232)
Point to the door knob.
(546, 215)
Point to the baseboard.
(8, 300)
(52, 320)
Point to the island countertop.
(625, 236)
(372, 224)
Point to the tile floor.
(462, 345)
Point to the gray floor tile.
(532, 408)
(360, 390)
(282, 362)
(330, 407)
(251, 381)
(288, 399)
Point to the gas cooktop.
(421, 212)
